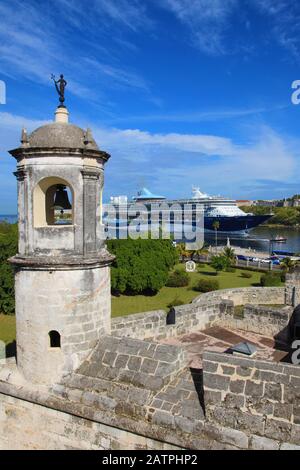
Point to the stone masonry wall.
(292, 290)
(262, 319)
(153, 325)
(201, 313)
(254, 396)
(25, 425)
(143, 363)
(246, 295)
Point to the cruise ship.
(230, 218)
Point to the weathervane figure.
(60, 86)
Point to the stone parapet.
(253, 396)
(246, 295)
(153, 324)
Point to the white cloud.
(206, 19)
(171, 163)
(197, 116)
(35, 42)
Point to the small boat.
(279, 239)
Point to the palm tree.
(229, 254)
(287, 264)
(182, 252)
(216, 226)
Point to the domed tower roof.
(59, 136)
(63, 135)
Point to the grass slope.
(125, 305)
(7, 328)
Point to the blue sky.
(180, 92)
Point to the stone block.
(234, 401)
(192, 410)
(244, 371)
(184, 424)
(134, 363)
(227, 370)
(267, 376)
(296, 413)
(273, 392)
(295, 381)
(254, 389)
(234, 437)
(287, 446)
(262, 443)
(164, 369)
(283, 410)
(149, 366)
(162, 418)
(237, 419)
(216, 382)
(291, 394)
(212, 397)
(209, 366)
(279, 430)
(121, 361)
(237, 386)
(109, 358)
(295, 434)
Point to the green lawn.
(126, 304)
(7, 328)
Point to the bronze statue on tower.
(60, 86)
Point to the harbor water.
(257, 239)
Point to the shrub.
(270, 279)
(206, 285)
(230, 269)
(141, 266)
(175, 303)
(220, 263)
(179, 278)
(246, 275)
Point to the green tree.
(287, 264)
(219, 263)
(8, 248)
(141, 266)
(229, 254)
(216, 226)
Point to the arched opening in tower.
(54, 338)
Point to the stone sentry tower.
(62, 274)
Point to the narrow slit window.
(54, 337)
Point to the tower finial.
(87, 138)
(24, 138)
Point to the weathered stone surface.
(263, 443)
(216, 382)
(227, 370)
(273, 391)
(237, 386)
(254, 389)
(149, 366)
(287, 446)
(279, 430)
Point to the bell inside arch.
(61, 199)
